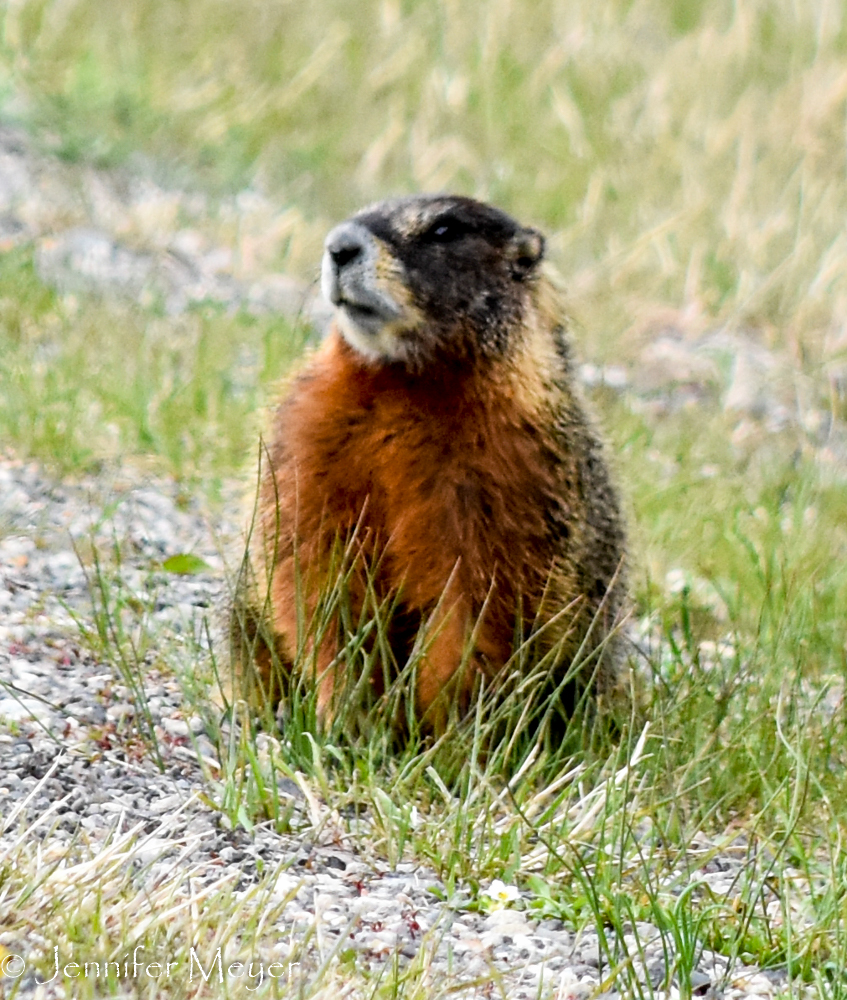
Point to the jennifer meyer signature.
(14, 966)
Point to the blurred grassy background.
(681, 151)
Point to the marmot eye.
(444, 231)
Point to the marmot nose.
(344, 255)
(346, 243)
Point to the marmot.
(438, 440)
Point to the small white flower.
(500, 894)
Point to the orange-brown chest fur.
(449, 475)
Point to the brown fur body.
(474, 490)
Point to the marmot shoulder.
(438, 439)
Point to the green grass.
(89, 382)
(687, 160)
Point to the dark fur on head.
(458, 269)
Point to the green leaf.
(185, 564)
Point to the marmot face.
(429, 277)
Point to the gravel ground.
(65, 756)
(66, 719)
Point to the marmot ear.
(525, 251)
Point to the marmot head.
(430, 277)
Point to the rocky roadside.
(69, 765)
